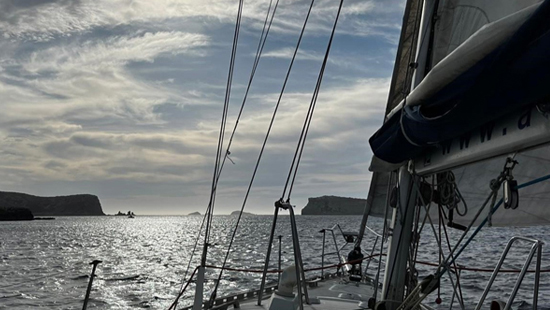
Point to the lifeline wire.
(213, 296)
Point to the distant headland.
(15, 203)
(334, 205)
(236, 213)
(194, 214)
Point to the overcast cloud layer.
(122, 99)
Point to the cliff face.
(83, 204)
(334, 205)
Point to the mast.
(400, 243)
(401, 224)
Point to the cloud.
(123, 98)
(46, 20)
(114, 51)
(91, 81)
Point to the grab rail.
(536, 247)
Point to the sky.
(123, 99)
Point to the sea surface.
(45, 264)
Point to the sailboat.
(467, 114)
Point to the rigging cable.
(213, 295)
(259, 51)
(210, 207)
(261, 44)
(305, 128)
(209, 210)
(459, 295)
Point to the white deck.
(335, 293)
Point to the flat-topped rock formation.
(236, 213)
(83, 204)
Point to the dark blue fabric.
(515, 75)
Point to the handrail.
(372, 231)
(536, 247)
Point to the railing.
(535, 248)
(235, 298)
(349, 237)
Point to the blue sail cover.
(512, 77)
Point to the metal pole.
(199, 288)
(384, 233)
(298, 259)
(520, 277)
(537, 276)
(323, 256)
(371, 254)
(398, 255)
(271, 235)
(94, 266)
(337, 251)
(279, 265)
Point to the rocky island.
(194, 214)
(236, 213)
(82, 204)
(334, 205)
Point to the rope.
(213, 295)
(448, 192)
(293, 171)
(495, 186)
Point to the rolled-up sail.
(459, 95)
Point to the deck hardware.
(94, 266)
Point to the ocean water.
(45, 264)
